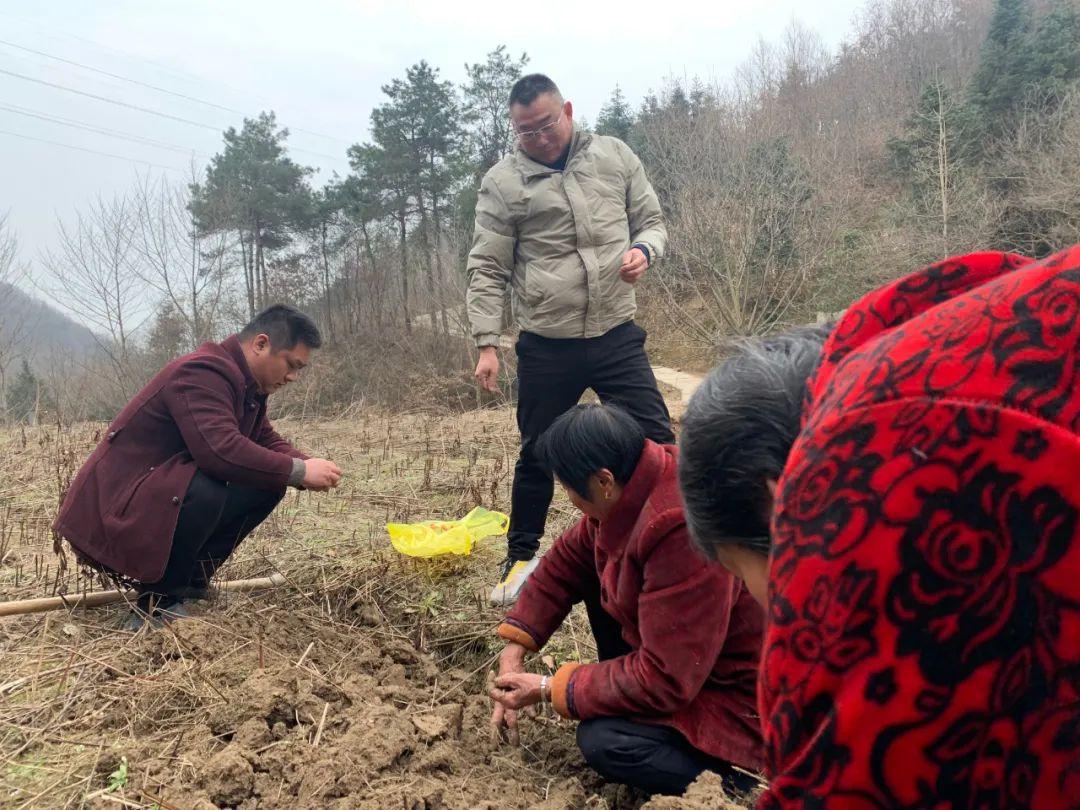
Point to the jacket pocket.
(125, 500)
(534, 290)
(554, 291)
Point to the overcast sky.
(319, 65)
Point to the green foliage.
(665, 123)
(168, 335)
(616, 118)
(935, 144)
(1053, 62)
(951, 155)
(119, 778)
(418, 150)
(26, 395)
(1024, 63)
(252, 185)
(465, 220)
(490, 136)
(775, 187)
(486, 93)
(998, 84)
(422, 120)
(1026, 69)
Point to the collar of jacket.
(531, 168)
(616, 528)
(233, 348)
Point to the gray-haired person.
(737, 432)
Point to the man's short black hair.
(737, 432)
(527, 88)
(590, 438)
(285, 326)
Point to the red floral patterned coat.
(924, 639)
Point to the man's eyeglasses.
(536, 134)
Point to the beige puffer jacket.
(558, 238)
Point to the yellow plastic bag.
(432, 538)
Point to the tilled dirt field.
(362, 720)
(360, 684)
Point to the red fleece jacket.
(924, 638)
(695, 631)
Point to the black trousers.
(214, 518)
(552, 376)
(656, 759)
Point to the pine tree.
(933, 151)
(1053, 58)
(420, 130)
(24, 396)
(253, 188)
(616, 118)
(168, 336)
(998, 86)
(775, 186)
(485, 109)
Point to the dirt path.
(682, 381)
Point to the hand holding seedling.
(517, 690)
(504, 720)
(321, 475)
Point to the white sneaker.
(514, 576)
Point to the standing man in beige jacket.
(570, 223)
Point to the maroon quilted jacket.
(924, 638)
(695, 631)
(202, 411)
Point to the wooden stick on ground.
(97, 598)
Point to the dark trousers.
(552, 376)
(214, 518)
(656, 759)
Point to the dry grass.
(77, 694)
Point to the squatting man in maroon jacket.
(677, 636)
(192, 465)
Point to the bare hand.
(504, 721)
(517, 690)
(487, 369)
(504, 725)
(634, 265)
(321, 475)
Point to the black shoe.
(195, 593)
(166, 611)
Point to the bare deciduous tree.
(94, 274)
(184, 268)
(747, 230)
(1041, 163)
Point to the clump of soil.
(708, 792)
(335, 716)
(315, 695)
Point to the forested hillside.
(807, 177)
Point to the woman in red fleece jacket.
(677, 636)
(923, 648)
